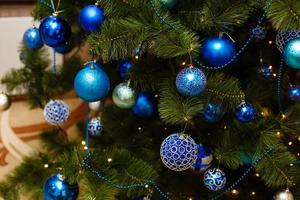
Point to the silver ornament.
(283, 195)
(95, 106)
(4, 102)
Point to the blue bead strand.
(54, 62)
(278, 86)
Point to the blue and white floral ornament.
(95, 127)
(178, 152)
(56, 112)
(214, 179)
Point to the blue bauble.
(245, 112)
(218, 51)
(291, 53)
(95, 127)
(212, 113)
(91, 17)
(32, 39)
(56, 188)
(144, 106)
(294, 93)
(178, 152)
(214, 179)
(204, 158)
(123, 68)
(190, 81)
(283, 37)
(56, 112)
(63, 49)
(92, 83)
(55, 31)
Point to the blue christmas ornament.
(92, 83)
(32, 39)
(56, 112)
(91, 17)
(283, 37)
(245, 112)
(214, 179)
(56, 188)
(291, 53)
(294, 93)
(144, 106)
(190, 81)
(55, 31)
(124, 67)
(212, 113)
(204, 158)
(218, 51)
(178, 152)
(95, 127)
(63, 49)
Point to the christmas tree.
(199, 100)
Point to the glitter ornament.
(245, 112)
(54, 31)
(218, 51)
(212, 113)
(144, 106)
(95, 106)
(284, 195)
(190, 81)
(178, 152)
(204, 158)
(95, 127)
(91, 18)
(214, 179)
(291, 53)
(294, 93)
(123, 96)
(124, 67)
(56, 112)
(92, 83)
(32, 39)
(4, 102)
(285, 36)
(56, 188)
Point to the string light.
(109, 160)
(83, 143)
(291, 164)
(146, 186)
(235, 192)
(290, 143)
(257, 174)
(283, 116)
(278, 133)
(298, 154)
(85, 148)
(274, 74)
(140, 128)
(270, 42)
(253, 194)
(46, 165)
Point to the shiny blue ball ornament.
(294, 93)
(64, 49)
(212, 113)
(91, 17)
(144, 106)
(95, 127)
(204, 158)
(55, 31)
(214, 179)
(245, 112)
(178, 152)
(190, 81)
(56, 188)
(32, 39)
(218, 51)
(92, 83)
(291, 53)
(124, 67)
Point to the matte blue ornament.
(91, 17)
(56, 112)
(55, 31)
(63, 49)
(245, 112)
(282, 38)
(291, 53)
(214, 179)
(124, 67)
(218, 51)
(178, 152)
(92, 83)
(32, 39)
(144, 106)
(95, 127)
(294, 93)
(190, 81)
(204, 158)
(56, 188)
(212, 113)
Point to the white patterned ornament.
(56, 112)
(95, 127)
(283, 195)
(178, 152)
(214, 179)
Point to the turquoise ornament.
(291, 53)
